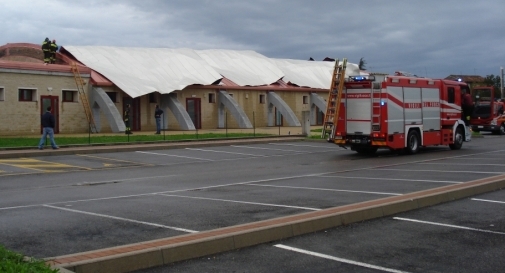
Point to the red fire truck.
(398, 112)
(488, 112)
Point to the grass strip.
(12, 262)
(27, 142)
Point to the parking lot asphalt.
(117, 211)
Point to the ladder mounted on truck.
(334, 99)
(83, 96)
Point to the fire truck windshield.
(481, 95)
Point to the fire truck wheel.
(413, 142)
(458, 140)
(502, 129)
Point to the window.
(305, 99)
(2, 94)
(69, 96)
(212, 98)
(112, 96)
(153, 98)
(262, 98)
(450, 95)
(27, 94)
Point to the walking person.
(47, 122)
(46, 48)
(53, 49)
(157, 115)
(126, 118)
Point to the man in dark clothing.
(53, 49)
(157, 115)
(48, 123)
(46, 48)
(467, 107)
(126, 117)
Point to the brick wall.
(23, 117)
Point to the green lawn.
(27, 142)
(12, 262)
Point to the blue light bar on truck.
(361, 78)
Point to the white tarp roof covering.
(140, 71)
(245, 68)
(315, 74)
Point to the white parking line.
(463, 164)
(394, 179)
(439, 171)
(122, 219)
(224, 152)
(342, 260)
(486, 200)
(151, 153)
(334, 147)
(164, 192)
(270, 149)
(447, 225)
(322, 189)
(241, 202)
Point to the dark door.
(46, 101)
(278, 118)
(134, 112)
(319, 116)
(194, 111)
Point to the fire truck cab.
(399, 113)
(487, 113)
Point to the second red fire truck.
(395, 112)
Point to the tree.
(495, 81)
(362, 64)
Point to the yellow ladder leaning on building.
(83, 96)
(334, 99)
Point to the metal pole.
(254, 125)
(501, 81)
(164, 129)
(226, 123)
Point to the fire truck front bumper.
(486, 128)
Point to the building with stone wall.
(196, 89)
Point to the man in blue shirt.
(47, 122)
(157, 115)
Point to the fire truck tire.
(413, 142)
(458, 140)
(502, 129)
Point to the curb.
(184, 247)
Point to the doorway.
(193, 107)
(46, 101)
(319, 116)
(278, 118)
(134, 112)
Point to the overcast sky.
(430, 38)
